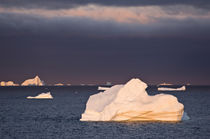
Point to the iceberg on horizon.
(103, 88)
(183, 88)
(130, 102)
(59, 84)
(9, 83)
(33, 82)
(164, 84)
(41, 96)
(108, 83)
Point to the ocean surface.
(59, 118)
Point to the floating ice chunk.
(9, 83)
(42, 96)
(33, 82)
(103, 88)
(183, 88)
(185, 117)
(130, 102)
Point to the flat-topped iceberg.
(183, 88)
(130, 102)
(41, 96)
(103, 88)
(33, 82)
(9, 83)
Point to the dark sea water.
(59, 118)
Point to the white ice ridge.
(103, 88)
(33, 82)
(130, 102)
(9, 83)
(42, 96)
(183, 88)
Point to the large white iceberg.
(183, 88)
(41, 96)
(9, 83)
(130, 102)
(33, 82)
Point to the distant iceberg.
(59, 84)
(130, 102)
(42, 96)
(33, 82)
(9, 83)
(183, 88)
(103, 88)
(108, 83)
(164, 84)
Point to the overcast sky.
(94, 41)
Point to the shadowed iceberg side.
(130, 102)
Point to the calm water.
(59, 118)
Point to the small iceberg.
(42, 96)
(164, 84)
(108, 83)
(9, 83)
(185, 117)
(103, 88)
(59, 84)
(33, 82)
(183, 88)
(130, 102)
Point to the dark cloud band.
(66, 4)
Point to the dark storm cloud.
(12, 24)
(65, 4)
(66, 50)
(162, 44)
(98, 60)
